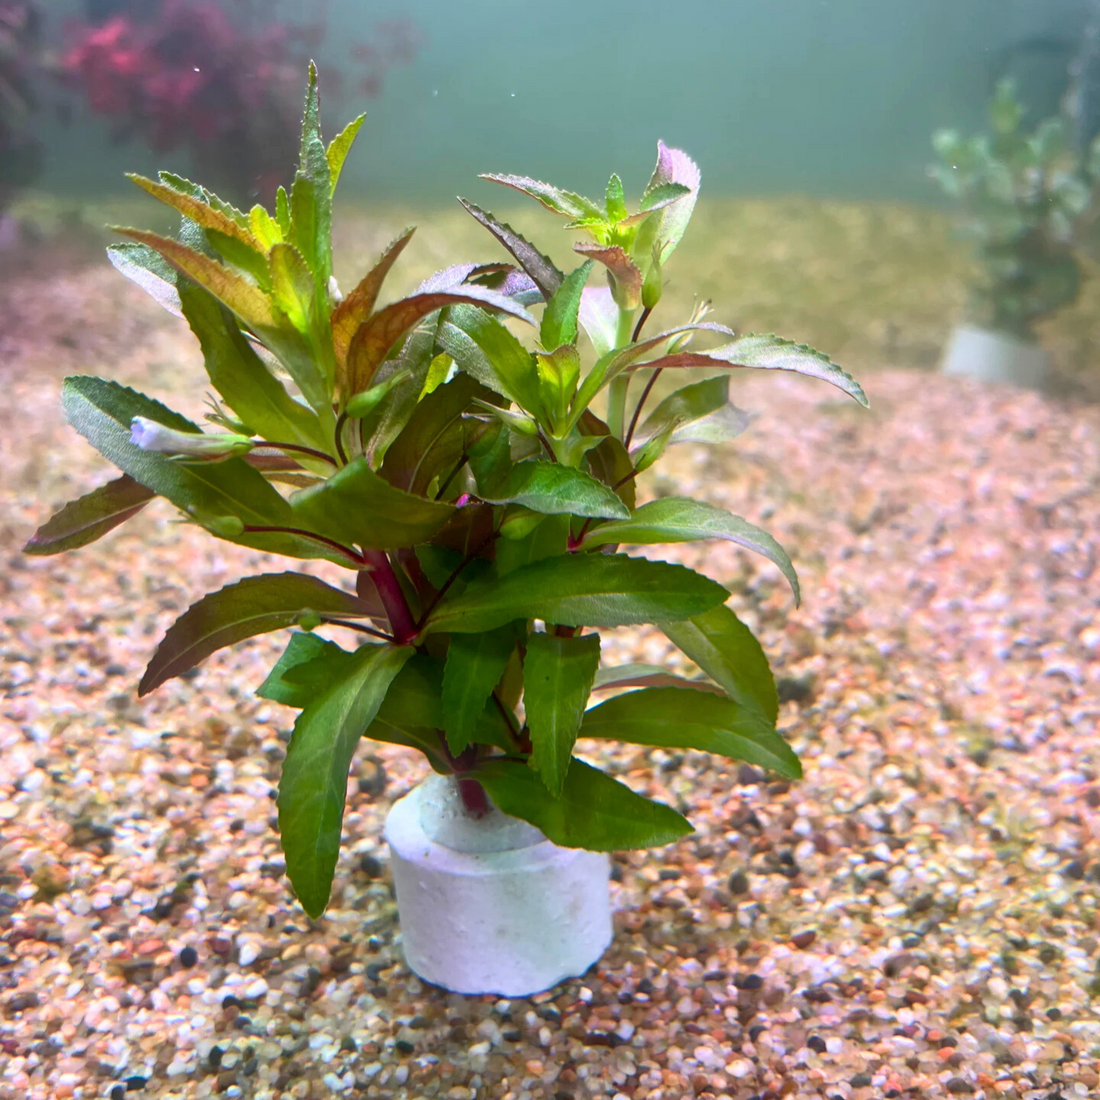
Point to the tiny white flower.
(151, 436)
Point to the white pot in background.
(994, 357)
(490, 905)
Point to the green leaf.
(90, 517)
(559, 372)
(641, 675)
(264, 227)
(673, 167)
(314, 778)
(581, 590)
(240, 376)
(679, 718)
(612, 364)
(765, 352)
(435, 436)
(559, 320)
(415, 706)
(359, 304)
(103, 411)
(728, 652)
(485, 349)
(356, 505)
(626, 278)
(200, 212)
(679, 519)
(340, 146)
(253, 606)
(593, 811)
(475, 664)
(553, 489)
(548, 539)
(292, 285)
(615, 200)
(244, 298)
(599, 317)
(150, 271)
(538, 267)
(282, 211)
(567, 203)
(311, 195)
(296, 680)
(699, 413)
(557, 680)
(382, 330)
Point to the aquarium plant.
(1022, 194)
(20, 152)
(217, 79)
(461, 474)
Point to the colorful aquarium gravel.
(920, 917)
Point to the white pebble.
(249, 953)
(255, 989)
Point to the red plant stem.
(360, 627)
(393, 598)
(638, 408)
(473, 797)
(641, 321)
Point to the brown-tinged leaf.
(540, 268)
(627, 277)
(255, 605)
(245, 299)
(202, 213)
(359, 304)
(382, 330)
(90, 517)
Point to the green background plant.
(1022, 195)
(463, 478)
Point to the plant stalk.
(616, 390)
(393, 598)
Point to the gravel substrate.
(919, 917)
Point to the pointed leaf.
(580, 590)
(291, 285)
(314, 779)
(673, 166)
(244, 382)
(415, 705)
(599, 317)
(359, 304)
(355, 505)
(199, 211)
(615, 201)
(553, 489)
(593, 811)
(287, 684)
(557, 680)
(703, 406)
(641, 675)
(245, 299)
(766, 352)
(627, 278)
(382, 330)
(90, 517)
(728, 652)
(103, 412)
(540, 268)
(339, 148)
(484, 348)
(679, 519)
(559, 321)
(435, 436)
(264, 227)
(475, 664)
(614, 362)
(253, 606)
(567, 203)
(149, 270)
(679, 718)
